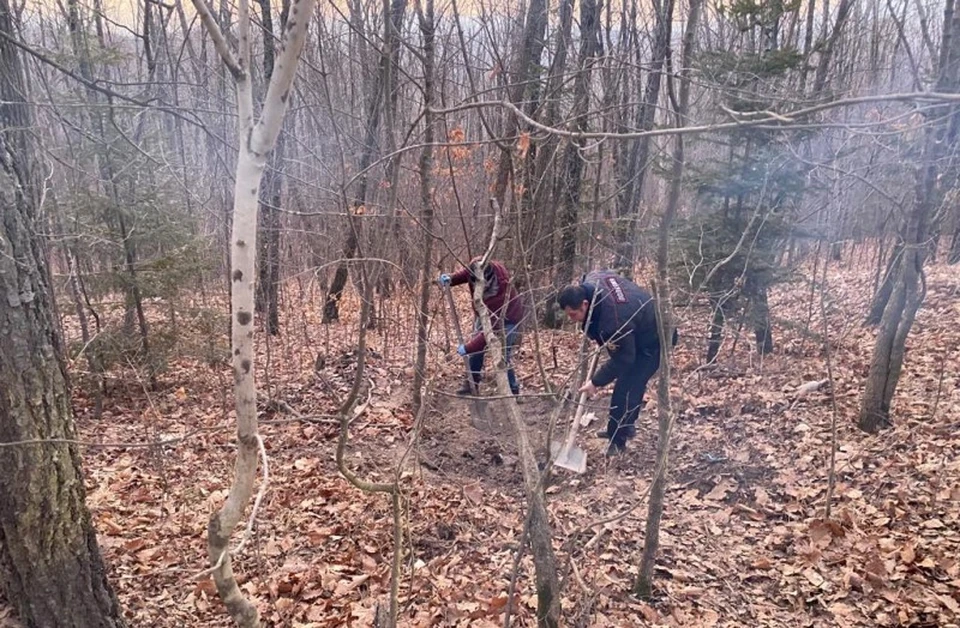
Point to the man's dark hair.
(572, 297)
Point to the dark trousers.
(511, 334)
(628, 396)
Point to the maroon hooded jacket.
(499, 296)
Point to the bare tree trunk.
(50, 564)
(807, 44)
(381, 97)
(268, 261)
(258, 137)
(886, 362)
(268, 257)
(898, 317)
(882, 295)
(428, 55)
(543, 205)
(954, 256)
(715, 337)
(544, 559)
(522, 77)
(629, 201)
(573, 156)
(643, 587)
(826, 54)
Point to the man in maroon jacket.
(506, 312)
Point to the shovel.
(570, 456)
(478, 408)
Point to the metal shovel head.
(572, 458)
(479, 415)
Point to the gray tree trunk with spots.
(257, 138)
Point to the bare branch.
(219, 42)
(285, 70)
(771, 121)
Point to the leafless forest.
(227, 370)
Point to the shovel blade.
(479, 416)
(573, 459)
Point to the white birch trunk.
(256, 139)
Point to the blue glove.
(461, 350)
(445, 280)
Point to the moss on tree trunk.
(50, 565)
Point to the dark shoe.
(466, 390)
(615, 449)
(627, 433)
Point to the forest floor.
(744, 538)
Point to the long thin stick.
(456, 326)
(832, 474)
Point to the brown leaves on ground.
(744, 540)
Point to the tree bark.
(643, 587)
(573, 158)
(258, 137)
(543, 206)
(268, 260)
(427, 27)
(541, 543)
(826, 54)
(886, 362)
(50, 564)
(882, 295)
(522, 83)
(382, 97)
(715, 337)
(268, 257)
(633, 177)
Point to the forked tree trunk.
(50, 564)
(886, 362)
(258, 137)
(882, 295)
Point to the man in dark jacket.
(506, 311)
(617, 313)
